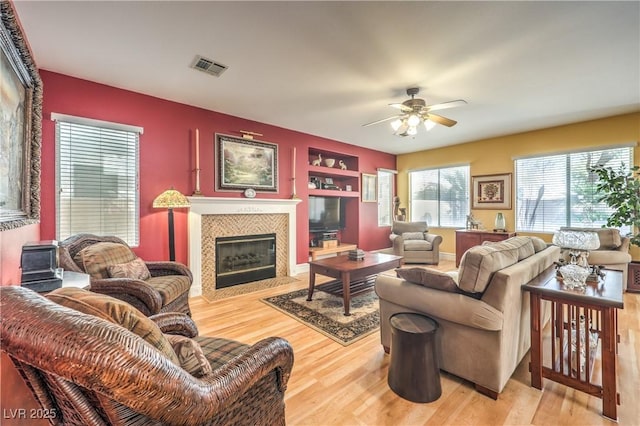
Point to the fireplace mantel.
(202, 206)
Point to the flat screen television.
(326, 214)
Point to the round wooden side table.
(413, 371)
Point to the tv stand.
(314, 252)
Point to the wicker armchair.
(87, 371)
(166, 291)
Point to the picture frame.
(491, 192)
(21, 102)
(369, 192)
(246, 163)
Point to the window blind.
(97, 179)
(560, 190)
(440, 196)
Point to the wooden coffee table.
(340, 267)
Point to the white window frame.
(385, 197)
(440, 201)
(110, 140)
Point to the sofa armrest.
(158, 269)
(453, 307)
(175, 323)
(135, 292)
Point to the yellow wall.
(495, 156)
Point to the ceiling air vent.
(209, 66)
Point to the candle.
(293, 165)
(197, 149)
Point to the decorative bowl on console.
(574, 276)
(329, 162)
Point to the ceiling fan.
(416, 111)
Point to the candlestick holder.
(293, 194)
(197, 192)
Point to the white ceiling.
(326, 68)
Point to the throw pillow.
(115, 311)
(609, 238)
(190, 354)
(135, 269)
(412, 236)
(428, 278)
(480, 262)
(97, 257)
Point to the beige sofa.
(484, 317)
(412, 241)
(613, 252)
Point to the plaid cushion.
(190, 355)
(220, 351)
(115, 311)
(170, 286)
(96, 258)
(135, 269)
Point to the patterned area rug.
(325, 313)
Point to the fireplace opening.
(246, 258)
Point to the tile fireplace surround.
(211, 217)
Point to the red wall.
(167, 159)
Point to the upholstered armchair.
(115, 270)
(85, 369)
(413, 241)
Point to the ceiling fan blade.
(445, 105)
(441, 120)
(381, 121)
(402, 130)
(401, 107)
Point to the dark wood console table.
(592, 313)
(467, 238)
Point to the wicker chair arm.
(168, 268)
(102, 356)
(175, 323)
(136, 292)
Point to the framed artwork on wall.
(491, 191)
(246, 163)
(20, 126)
(369, 188)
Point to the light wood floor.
(336, 385)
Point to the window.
(97, 178)
(440, 196)
(385, 197)
(559, 190)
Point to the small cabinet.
(465, 239)
(333, 174)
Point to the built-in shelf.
(331, 171)
(333, 193)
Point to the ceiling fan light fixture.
(413, 120)
(428, 124)
(395, 125)
(412, 131)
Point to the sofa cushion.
(538, 244)
(428, 278)
(524, 245)
(96, 258)
(115, 311)
(135, 269)
(407, 236)
(401, 227)
(220, 351)
(480, 262)
(170, 286)
(190, 355)
(418, 245)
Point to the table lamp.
(171, 199)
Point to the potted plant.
(620, 190)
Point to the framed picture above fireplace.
(246, 163)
